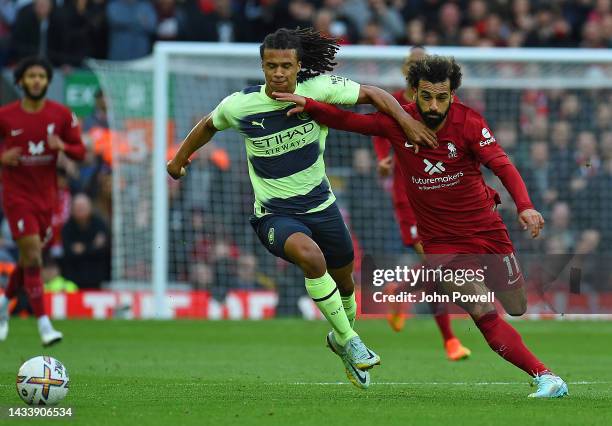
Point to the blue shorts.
(326, 228)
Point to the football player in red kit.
(406, 219)
(455, 209)
(33, 131)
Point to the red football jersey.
(32, 184)
(445, 186)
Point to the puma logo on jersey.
(16, 132)
(36, 148)
(50, 128)
(255, 123)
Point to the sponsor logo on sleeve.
(488, 137)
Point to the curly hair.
(435, 69)
(315, 51)
(30, 62)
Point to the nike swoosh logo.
(16, 132)
(371, 354)
(510, 282)
(363, 379)
(408, 145)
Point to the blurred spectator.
(225, 24)
(596, 211)
(415, 32)
(606, 146)
(60, 215)
(537, 176)
(199, 20)
(388, 19)
(8, 248)
(86, 240)
(299, 13)
(167, 20)
(8, 12)
(249, 278)
(83, 26)
(98, 117)
(370, 224)
(201, 275)
(38, 31)
(562, 158)
(54, 282)
(333, 25)
(131, 26)
(450, 18)
(101, 192)
(603, 118)
(550, 29)
(559, 230)
(372, 35)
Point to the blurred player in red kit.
(33, 131)
(406, 219)
(455, 209)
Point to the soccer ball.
(42, 381)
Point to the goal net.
(549, 108)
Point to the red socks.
(506, 341)
(15, 282)
(441, 316)
(443, 321)
(34, 288)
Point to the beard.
(33, 97)
(432, 119)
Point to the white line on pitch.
(440, 383)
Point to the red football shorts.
(24, 222)
(492, 250)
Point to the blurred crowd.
(67, 31)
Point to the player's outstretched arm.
(199, 136)
(416, 131)
(529, 218)
(377, 124)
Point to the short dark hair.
(315, 51)
(32, 61)
(435, 69)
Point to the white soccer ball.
(42, 381)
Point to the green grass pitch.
(279, 372)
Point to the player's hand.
(384, 166)
(10, 157)
(531, 220)
(55, 143)
(177, 170)
(299, 101)
(418, 133)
